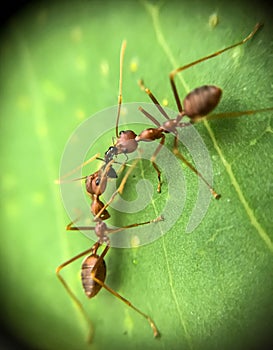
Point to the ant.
(196, 105)
(93, 269)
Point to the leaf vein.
(253, 220)
(251, 143)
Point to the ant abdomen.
(201, 101)
(91, 288)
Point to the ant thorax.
(100, 231)
(170, 125)
(97, 206)
(150, 134)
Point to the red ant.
(196, 105)
(93, 271)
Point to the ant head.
(126, 142)
(127, 135)
(95, 184)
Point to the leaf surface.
(208, 289)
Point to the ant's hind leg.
(189, 165)
(155, 165)
(72, 295)
(120, 297)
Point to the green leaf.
(208, 289)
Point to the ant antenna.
(62, 179)
(122, 50)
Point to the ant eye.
(97, 182)
(121, 132)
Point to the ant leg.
(237, 114)
(69, 291)
(123, 165)
(102, 231)
(115, 230)
(119, 190)
(154, 164)
(153, 98)
(117, 295)
(180, 69)
(185, 161)
(122, 50)
(149, 116)
(69, 227)
(104, 176)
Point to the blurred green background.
(209, 289)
